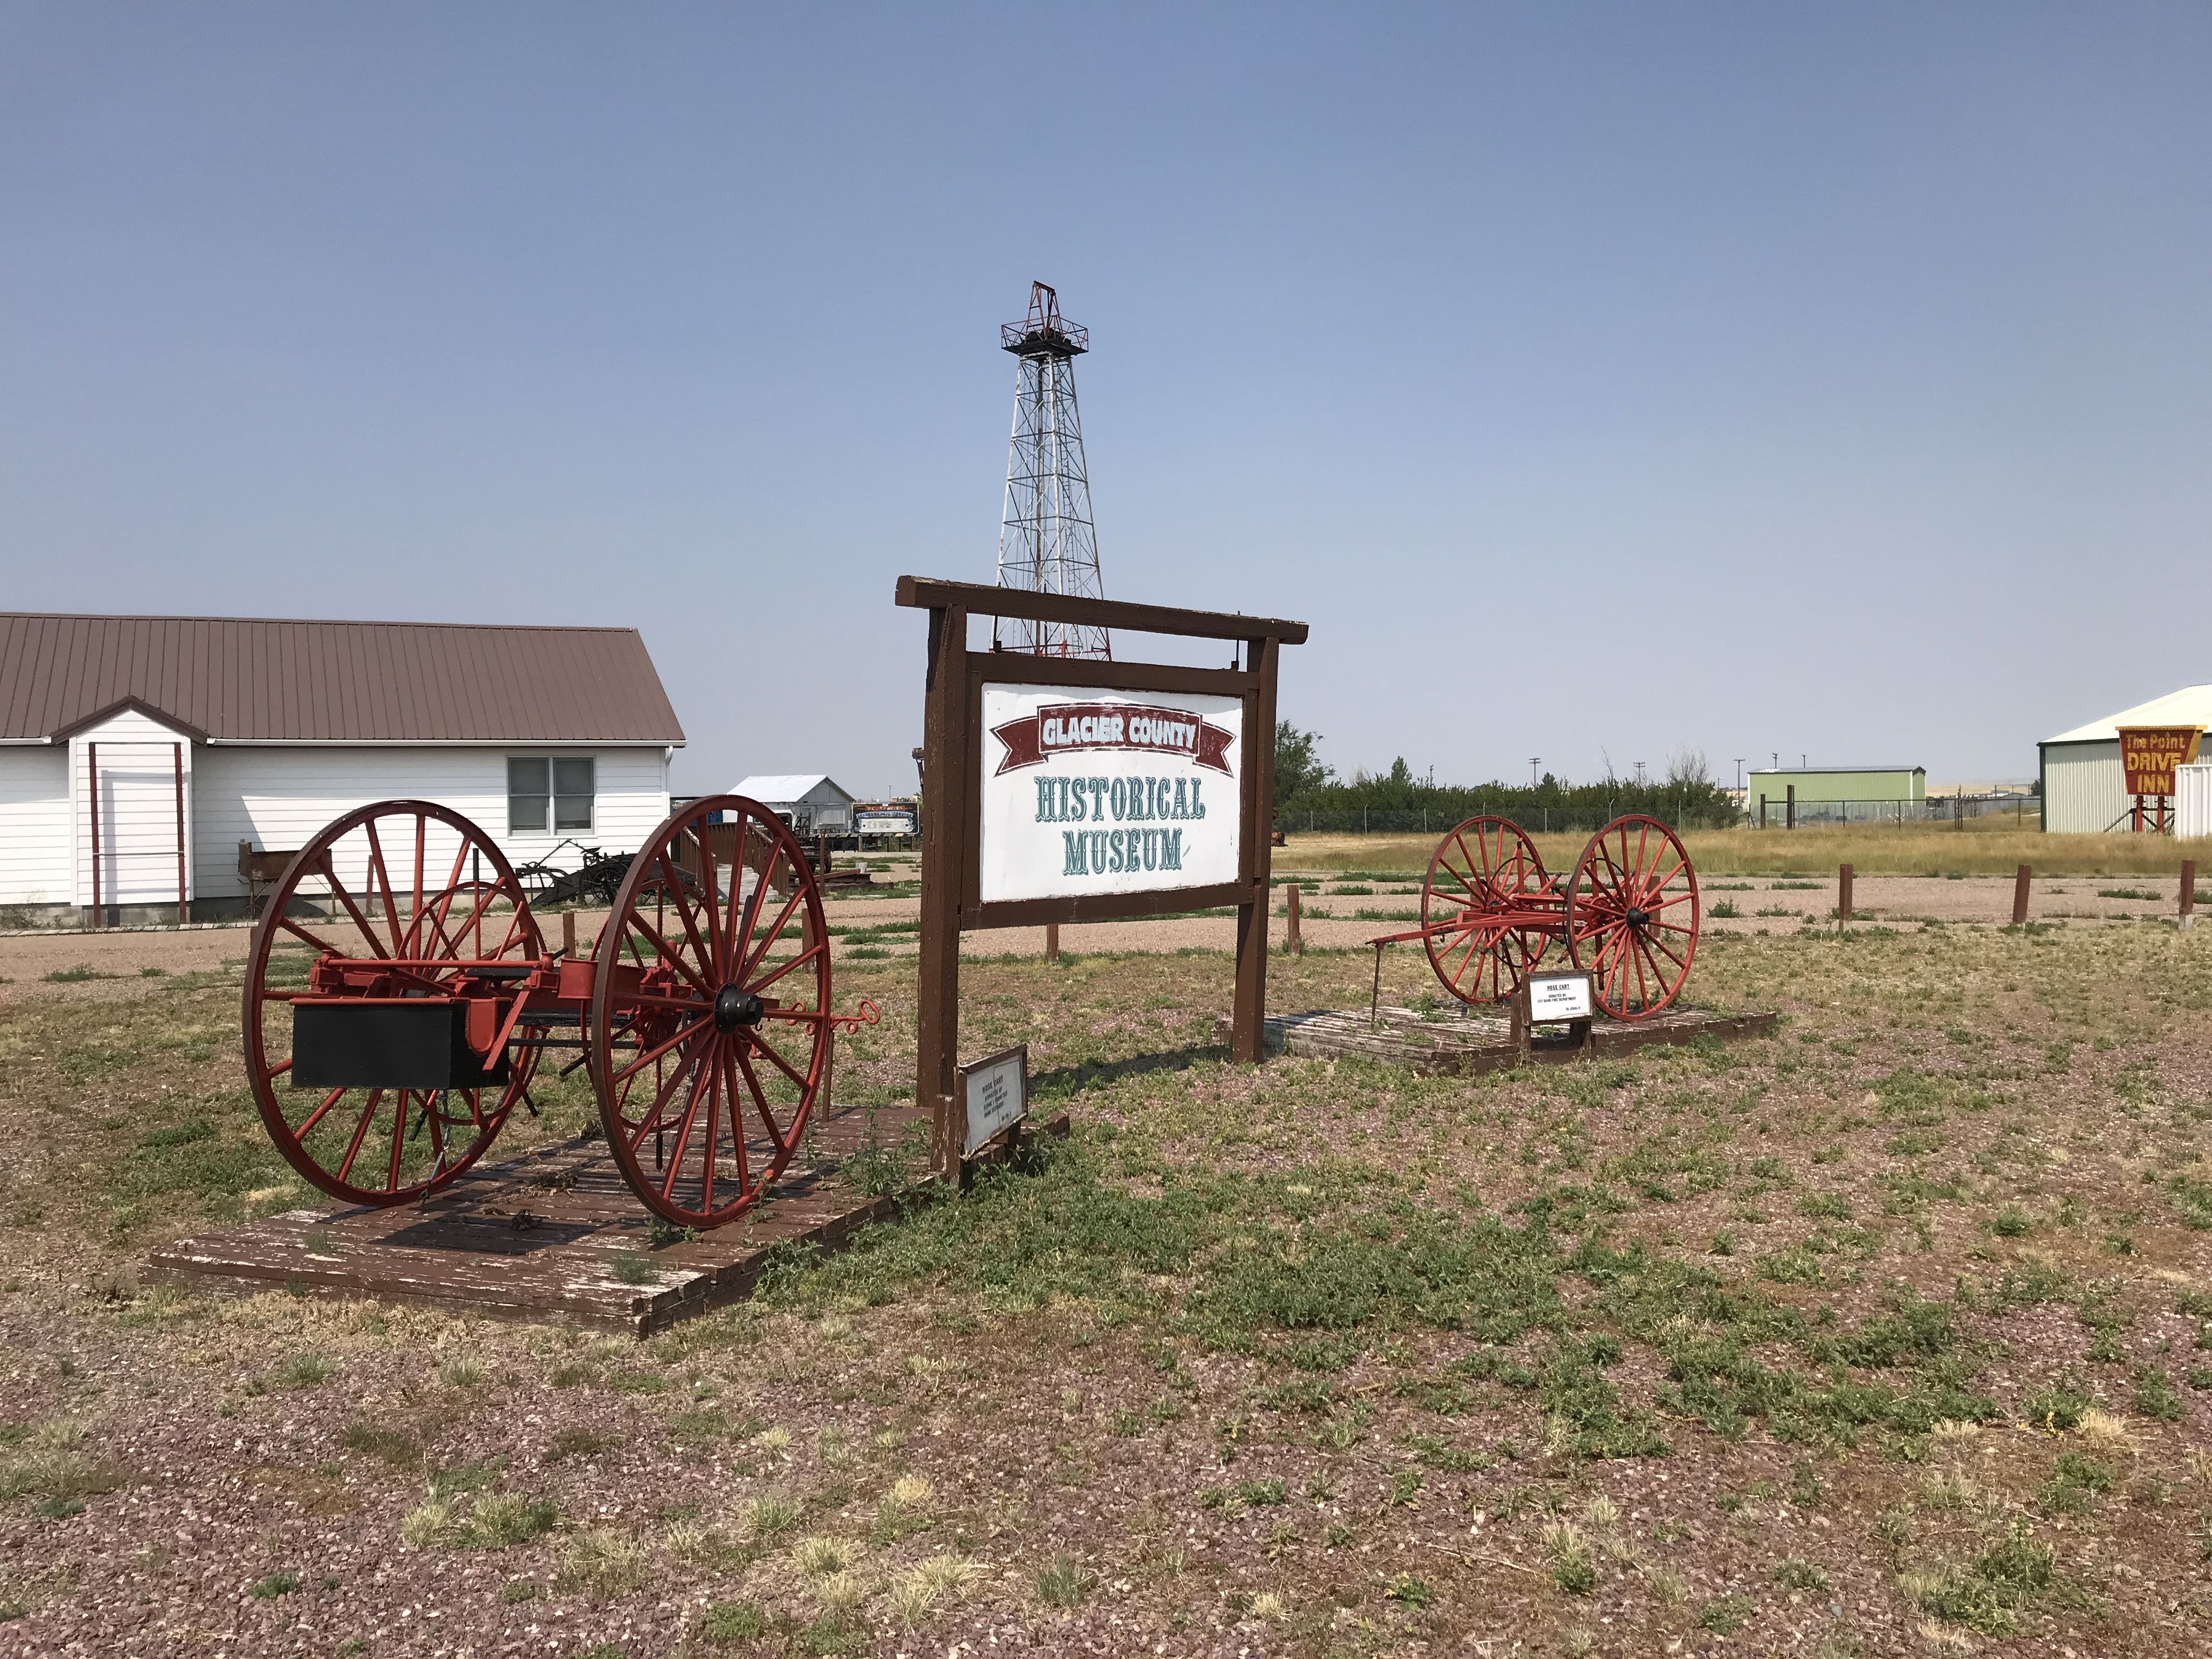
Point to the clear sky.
(1596, 380)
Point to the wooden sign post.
(1102, 794)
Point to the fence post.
(1291, 941)
(2019, 896)
(1842, 894)
(2189, 892)
(1790, 809)
(1051, 941)
(1762, 812)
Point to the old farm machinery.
(1628, 913)
(399, 998)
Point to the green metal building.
(1825, 794)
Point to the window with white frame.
(552, 792)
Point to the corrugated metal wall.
(2083, 788)
(2192, 800)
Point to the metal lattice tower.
(1046, 542)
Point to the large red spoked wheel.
(709, 1030)
(1484, 872)
(1632, 916)
(395, 901)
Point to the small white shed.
(138, 753)
(810, 803)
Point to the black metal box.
(387, 1045)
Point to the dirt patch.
(1890, 1331)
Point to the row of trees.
(1308, 794)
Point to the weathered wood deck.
(1469, 1043)
(548, 1237)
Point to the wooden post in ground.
(1051, 941)
(944, 837)
(1521, 1021)
(568, 933)
(2019, 896)
(2189, 892)
(1292, 942)
(1842, 894)
(1790, 809)
(1248, 1029)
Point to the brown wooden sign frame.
(952, 768)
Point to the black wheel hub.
(735, 1007)
(1636, 918)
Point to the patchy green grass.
(1909, 1306)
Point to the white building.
(137, 752)
(2083, 786)
(810, 803)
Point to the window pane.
(572, 811)
(527, 778)
(573, 777)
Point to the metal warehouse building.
(2084, 790)
(809, 802)
(1834, 794)
(137, 753)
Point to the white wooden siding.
(137, 760)
(278, 798)
(34, 820)
(2084, 789)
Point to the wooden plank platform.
(539, 1237)
(1465, 1043)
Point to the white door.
(135, 794)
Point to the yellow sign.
(2148, 754)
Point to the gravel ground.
(121, 957)
(2010, 1125)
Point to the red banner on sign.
(2148, 754)
(1063, 728)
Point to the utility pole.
(1739, 771)
(1534, 761)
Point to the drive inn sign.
(1109, 792)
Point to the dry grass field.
(1989, 847)
(1891, 1334)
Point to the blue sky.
(1597, 380)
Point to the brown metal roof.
(239, 679)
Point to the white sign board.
(1092, 792)
(996, 1092)
(1558, 996)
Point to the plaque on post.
(994, 1097)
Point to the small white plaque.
(997, 1092)
(1558, 996)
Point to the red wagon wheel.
(709, 1030)
(1633, 915)
(1484, 872)
(400, 881)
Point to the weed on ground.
(1891, 1332)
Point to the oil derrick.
(1046, 541)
